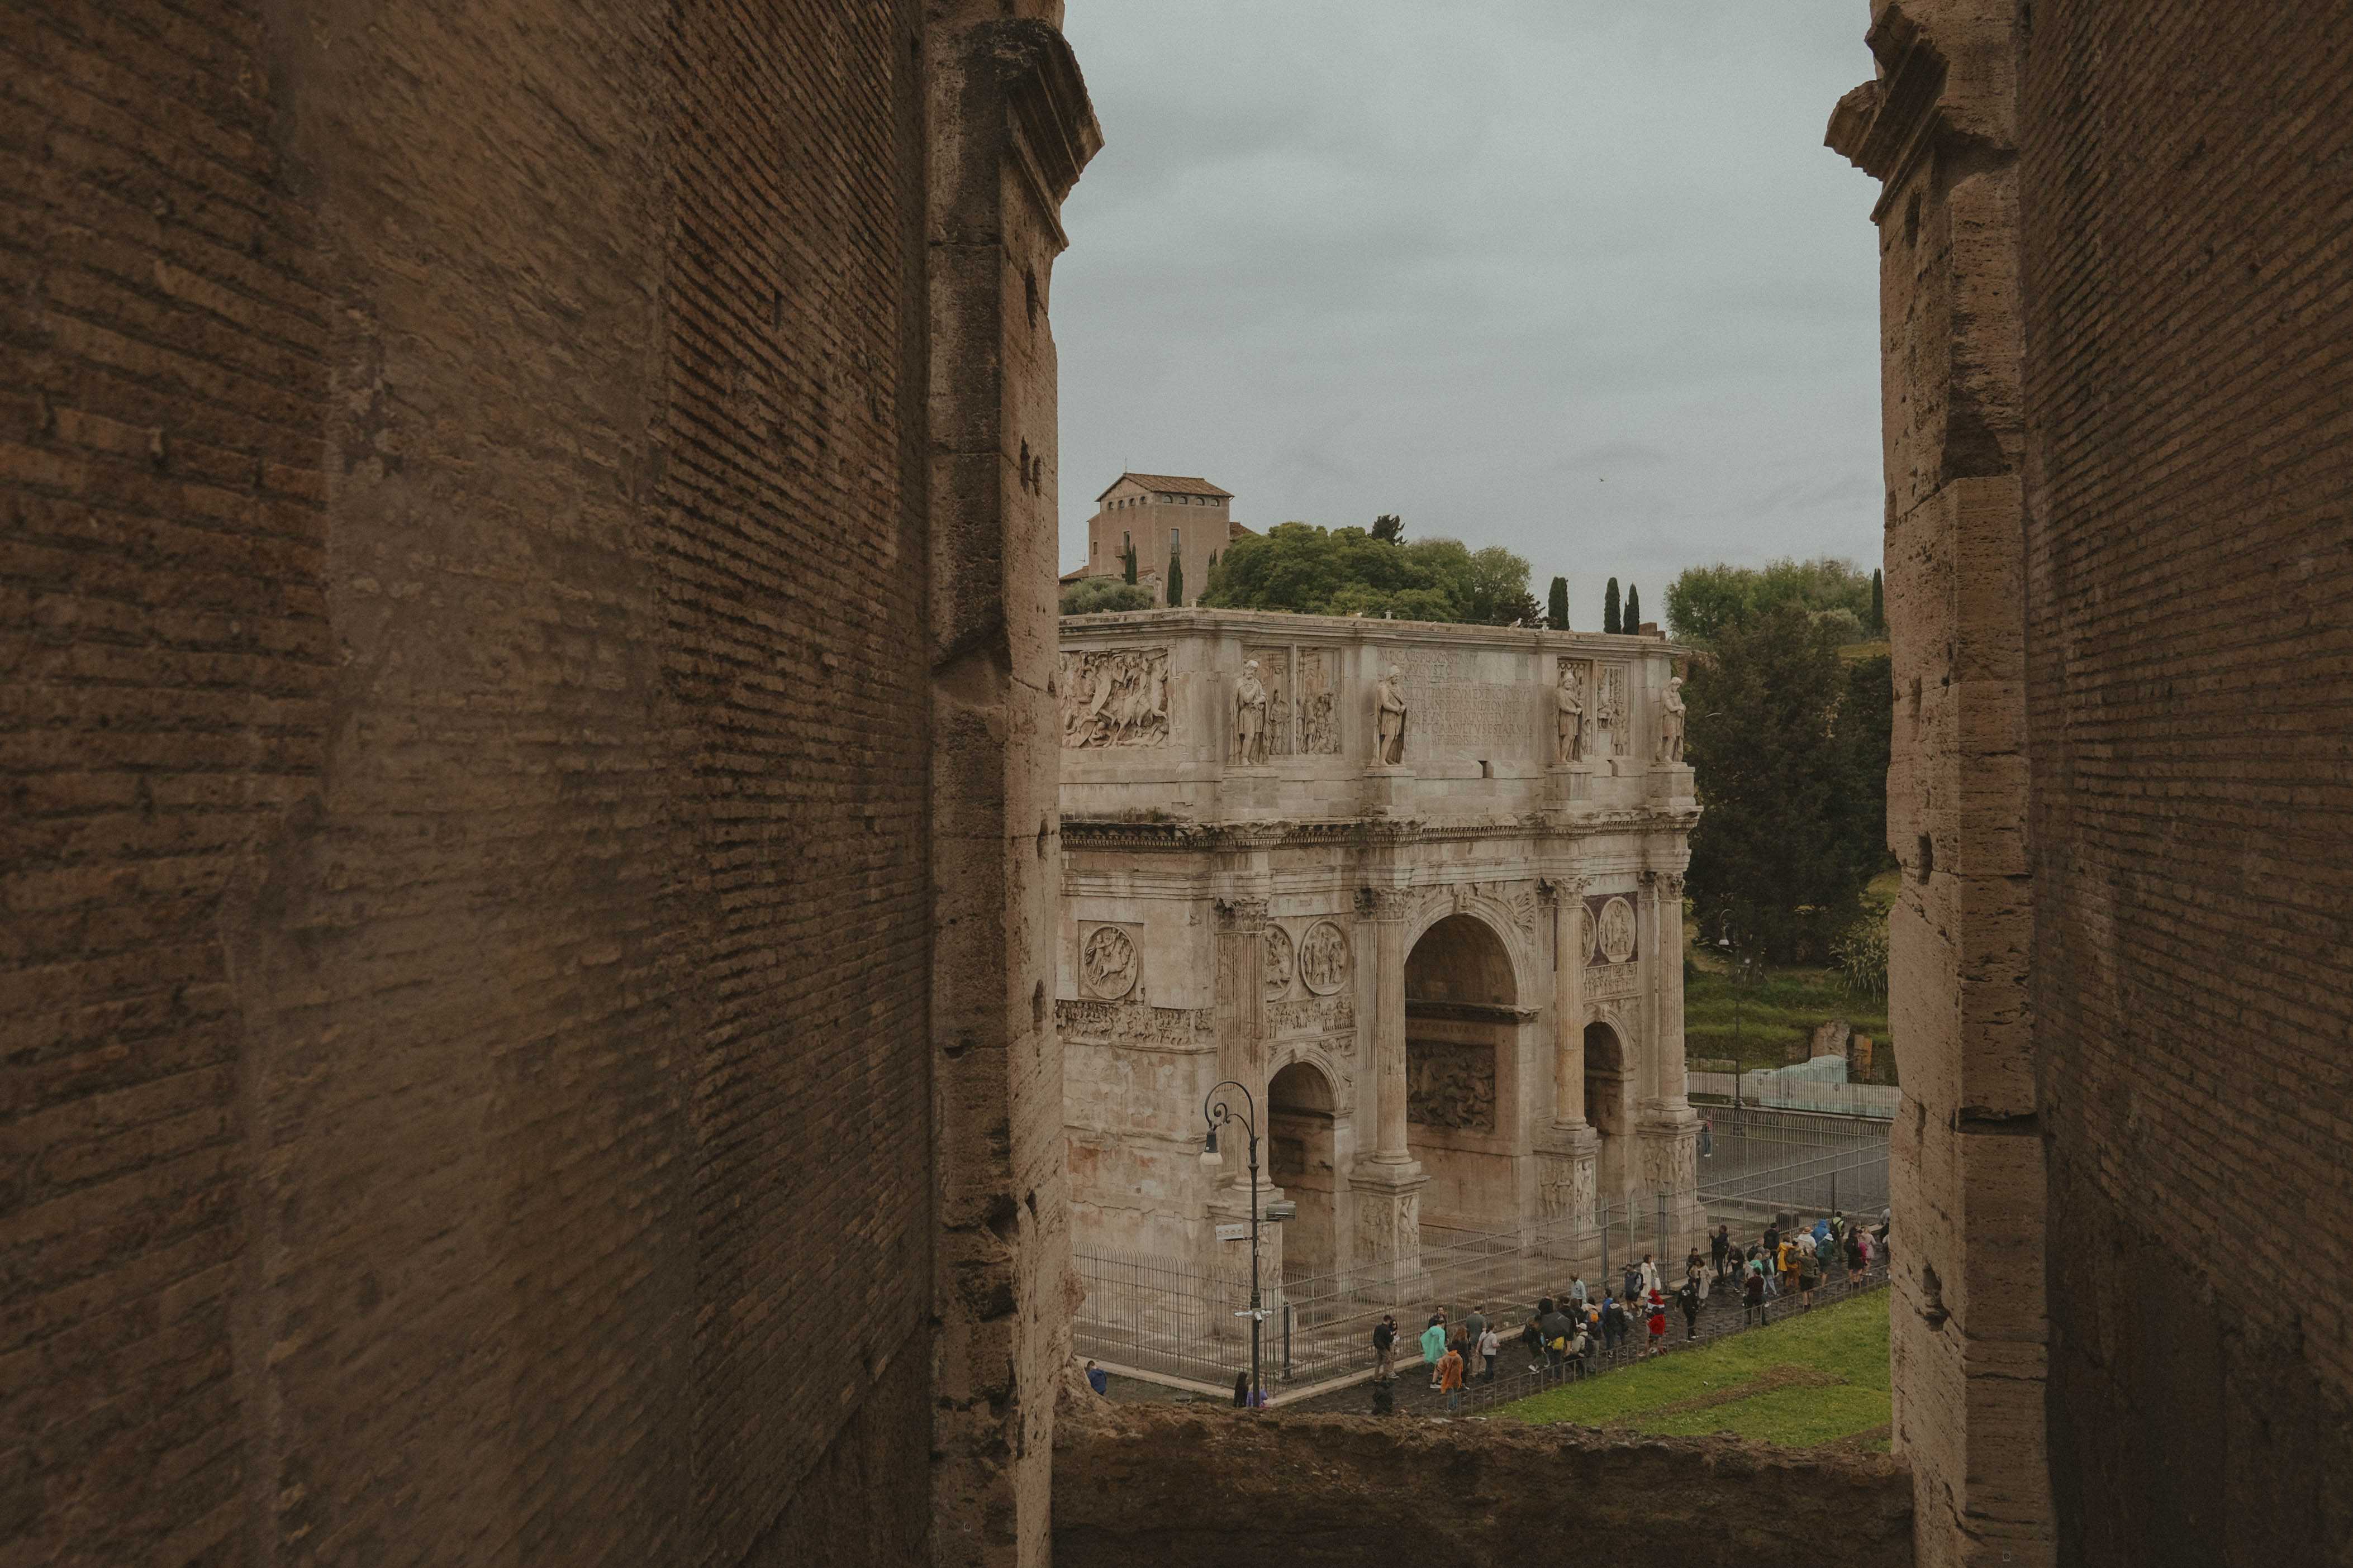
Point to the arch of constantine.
(1416, 886)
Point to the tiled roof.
(1235, 530)
(1173, 484)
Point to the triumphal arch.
(1418, 886)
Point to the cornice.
(1277, 625)
(1886, 126)
(1354, 832)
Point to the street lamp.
(1217, 1112)
(1745, 964)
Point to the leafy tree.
(1389, 528)
(1631, 622)
(1610, 619)
(1308, 570)
(1127, 558)
(1094, 596)
(1781, 756)
(1878, 622)
(1704, 599)
(1175, 579)
(1862, 736)
(1556, 611)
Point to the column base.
(1389, 1225)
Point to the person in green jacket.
(1433, 1345)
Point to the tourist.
(1385, 1348)
(1658, 1323)
(1771, 1274)
(1242, 1390)
(1614, 1327)
(1752, 1294)
(1719, 1250)
(1854, 1252)
(1689, 1297)
(1696, 1274)
(1258, 1400)
(1433, 1345)
(1098, 1379)
(1651, 1280)
(1630, 1282)
(1449, 1378)
(1808, 1268)
(1459, 1341)
(1576, 1293)
(1532, 1335)
(1863, 1243)
(1491, 1345)
(1772, 1237)
(1475, 1325)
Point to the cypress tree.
(1878, 601)
(1127, 558)
(1609, 607)
(1632, 620)
(1175, 579)
(1557, 612)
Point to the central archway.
(1462, 1074)
(1302, 1158)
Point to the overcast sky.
(1576, 276)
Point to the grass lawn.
(1817, 1378)
(1758, 1024)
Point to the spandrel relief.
(1117, 697)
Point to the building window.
(1176, 540)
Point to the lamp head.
(1209, 1148)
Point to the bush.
(1861, 955)
(1093, 596)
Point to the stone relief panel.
(1609, 716)
(1450, 1083)
(1109, 963)
(1386, 1228)
(1565, 1187)
(1324, 958)
(1615, 979)
(1136, 1024)
(1670, 1164)
(1274, 673)
(1319, 714)
(1334, 1015)
(1616, 933)
(1281, 962)
(1116, 697)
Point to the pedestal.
(1388, 1227)
(1244, 792)
(1568, 783)
(1672, 782)
(1388, 792)
(1666, 1156)
(1566, 1162)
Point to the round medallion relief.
(1324, 958)
(1616, 931)
(1279, 961)
(1107, 960)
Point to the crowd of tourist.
(1572, 1331)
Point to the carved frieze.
(1133, 1023)
(1386, 903)
(1116, 697)
(1609, 980)
(1280, 962)
(1450, 1083)
(1324, 958)
(1108, 963)
(1314, 1014)
(1670, 1162)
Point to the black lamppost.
(1217, 1112)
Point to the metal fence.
(1758, 1172)
(1157, 1315)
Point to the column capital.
(1241, 916)
(1386, 903)
(1563, 889)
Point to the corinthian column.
(1568, 1003)
(1668, 903)
(1389, 908)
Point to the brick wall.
(1222, 1489)
(2187, 181)
(468, 525)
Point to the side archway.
(1462, 1043)
(1302, 1159)
(1609, 1106)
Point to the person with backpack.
(1532, 1335)
(1719, 1250)
(1689, 1297)
(1385, 1348)
(1630, 1282)
(1553, 1329)
(1658, 1324)
(1809, 1268)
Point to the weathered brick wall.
(1181, 1488)
(1936, 127)
(2187, 183)
(468, 532)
